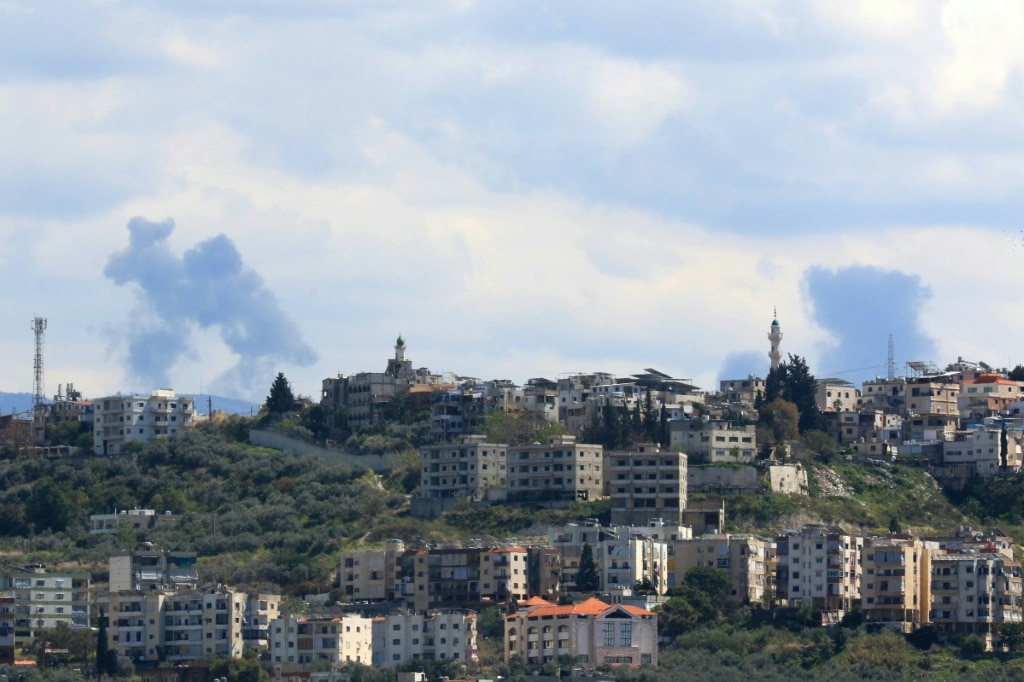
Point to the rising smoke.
(208, 287)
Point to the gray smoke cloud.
(208, 287)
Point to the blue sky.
(520, 188)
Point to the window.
(609, 634)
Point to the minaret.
(400, 349)
(775, 336)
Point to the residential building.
(426, 636)
(713, 441)
(558, 472)
(147, 567)
(981, 449)
(974, 594)
(885, 394)
(136, 519)
(121, 419)
(339, 639)
(987, 395)
(820, 567)
(742, 557)
(741, 390)
(592, 633)
(934, 394)
(42, 599)
(836, 394)
(896, 584)
(645, 483)
(7, 617)
(371, 574)
(470, 467)
(260, 609)
(627, 557)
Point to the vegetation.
(587, 577)
(792, 381)
(281, 398)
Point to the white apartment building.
(42, 600)
(821, 567)
(429, 636)
(980, 449)
(975, 593)
(121, 419)
(341, 639)
(626, 558)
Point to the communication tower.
(38, 394)
(891, 366)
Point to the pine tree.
(281, 399)
(102, 647)
(587, 578)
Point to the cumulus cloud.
(860, 307)
(208, 287)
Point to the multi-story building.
(741, 390)
(185, 625)
(974, 594)
(626, 558)
(935, 394)
(981, 450)
(558, 472)
(371, 574)
(836, 394)
(742, 557)
(425, 636)
(645, 483)
(136, 519)
(881, 393)
(147, 567)
(42, 600)
(339, 639)
(7, 641)
(713, 441)
(121, 419)
(987, 395)
(470, 467)
(591, 632)
(570, 539)
(821, 567)
(896, 583)
(260, 609)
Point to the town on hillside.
(565, 599)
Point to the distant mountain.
(22, 402)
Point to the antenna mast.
(891, 365)
(38, 391)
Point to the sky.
(200, 194)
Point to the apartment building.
(936, 394)
(340, 639)
(371, 574)
(426, 636)
(981, 450)
(821, 567)
(147, 567)
(121, 419)
(7, 641)
(974, 594)
(470, 467)
(896, 583)
(836, 394)
(570, 539)
(186, 625)
(626, 557)
(645, 483)
(558, 472)
(593, 633)
(987, 395)
(42, 599)
(743, 557)
(713, 441)
(260, 609)
(885, 394)
(741, 390)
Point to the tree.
(1017, 373)
(281, 398)
(587, 578)
(780, 422)
(1011, 636)
(821, 443)
(793, 381)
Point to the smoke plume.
(208, 287)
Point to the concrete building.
(836, 394)
(147, 567)
(42, 599)
(741, 390)
(371, 574)
(713, 441)
(645, 483)
(981, 450)
(7, 640)
(558, 472)
(430, 636)
(592, 633)
(121, 419)
(821, 567)
(626, 557)
(885, 394)
(988, 395)
(136, 519)
(935, 394)
(341, 639)
(896, 582)
(974, 594)
(471, 467)
(743, 557)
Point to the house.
(591, 633)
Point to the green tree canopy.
(587, 578)
(779, 423)
(281, 398)
(792, 380)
